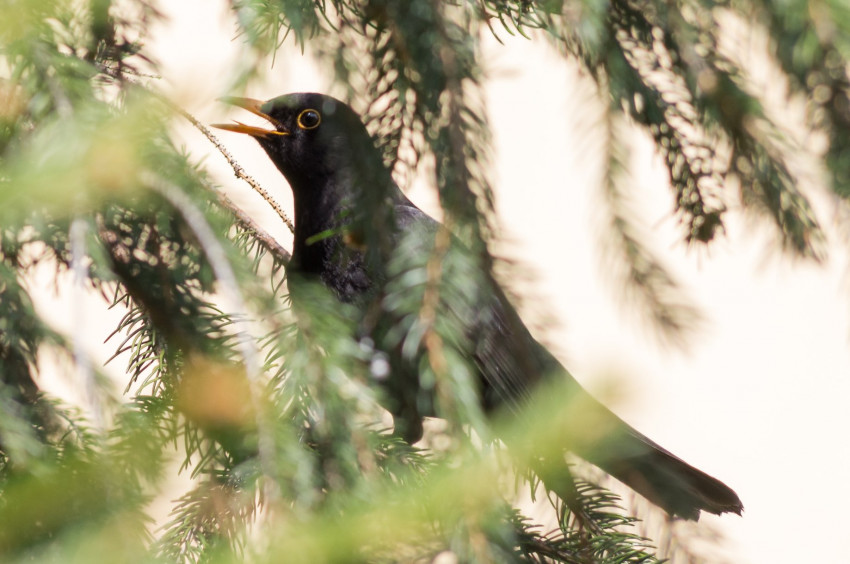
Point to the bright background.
(759, 399)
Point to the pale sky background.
(760, 398)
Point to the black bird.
(335, 171)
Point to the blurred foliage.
(272, 415)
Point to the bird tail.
(513, 363)
(593, 432)
(665, 479)
(651, 470)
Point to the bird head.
(316, 141)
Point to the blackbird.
(339, 182)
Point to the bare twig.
(261, 235)
(237, 168)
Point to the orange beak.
(252, 106)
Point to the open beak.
(252, 106)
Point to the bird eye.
(309, 119)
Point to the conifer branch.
(225, 275)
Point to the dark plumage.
(335, 172)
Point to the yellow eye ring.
(309, 119)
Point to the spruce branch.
(647, 280)
(224, 274)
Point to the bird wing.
(505, 353)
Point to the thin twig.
(261, 235)
(237, 168)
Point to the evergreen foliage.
(274, 416)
